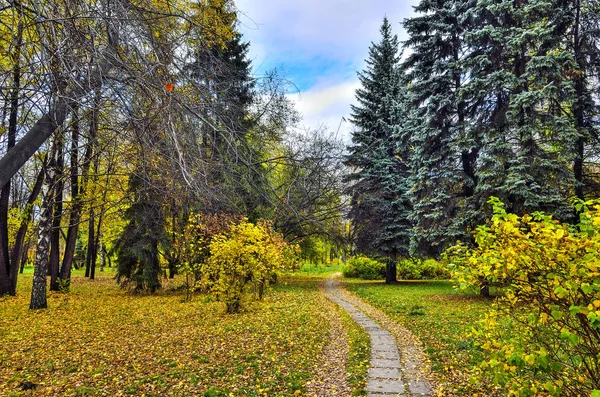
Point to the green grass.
(358, 355)
(316, 271)
(441, 317)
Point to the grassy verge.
(318, 271)
(441, 318)
(98, 340)
(358, 355)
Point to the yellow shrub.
(247, 253)
(543, 336)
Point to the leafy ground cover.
(442, 319)
(98, 340)
(358, 355)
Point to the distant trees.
(141, 115)
(495, 98)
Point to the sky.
(318, 46)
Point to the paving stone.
(386, 354)
(383, 347)
(380, 332)
(420, 389)
(385, 340)
(385, 395)
(388, 373)
(384, 363)
(385, 386)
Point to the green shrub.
(418, 269)
(363, 267)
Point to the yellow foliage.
(545, 331)
(248, 253)
(98, 340)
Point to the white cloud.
(301, 29)
(321, 43)
(324, 106)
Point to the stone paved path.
(388, 375)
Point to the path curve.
(388, 375)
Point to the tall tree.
(377, 182)
(445, 151)
(518, 89)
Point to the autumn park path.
(393, 371)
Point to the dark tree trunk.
(24, 258)
(17, 249)
(96, 247)
(77, 189)
(91, 244)
(56, 218)
(484, 289)
(390, 270)
(8, 273)
(579, 107)
(102, 256)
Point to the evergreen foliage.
(138, 264)
(445, 150)
(495, 97)
(379, 206)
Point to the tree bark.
(56, 217)
(8, 272)
(77, 189)
(96, 247)
(38, 290)
(102, 256)
(390, 270)
(91, 244)
(17, 250)
(24, 257)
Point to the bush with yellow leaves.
(542, 337)
(247, 254)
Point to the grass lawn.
(99, 340)
(441, 317)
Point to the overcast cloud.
(318, 45)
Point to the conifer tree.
(445, 150)
(138, 246)
(517, 90)
(379, 207)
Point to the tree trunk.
(8, 273)
(484, 288)
(38, 290)
(24, 258)
(96, 247)
(102, 257)
(77, 189)
(91, 244)
(56, 217)
(17, 249)
(390, 270)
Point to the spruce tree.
(517, 89)
(379, 207)
(137, 248)
(445, 149)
